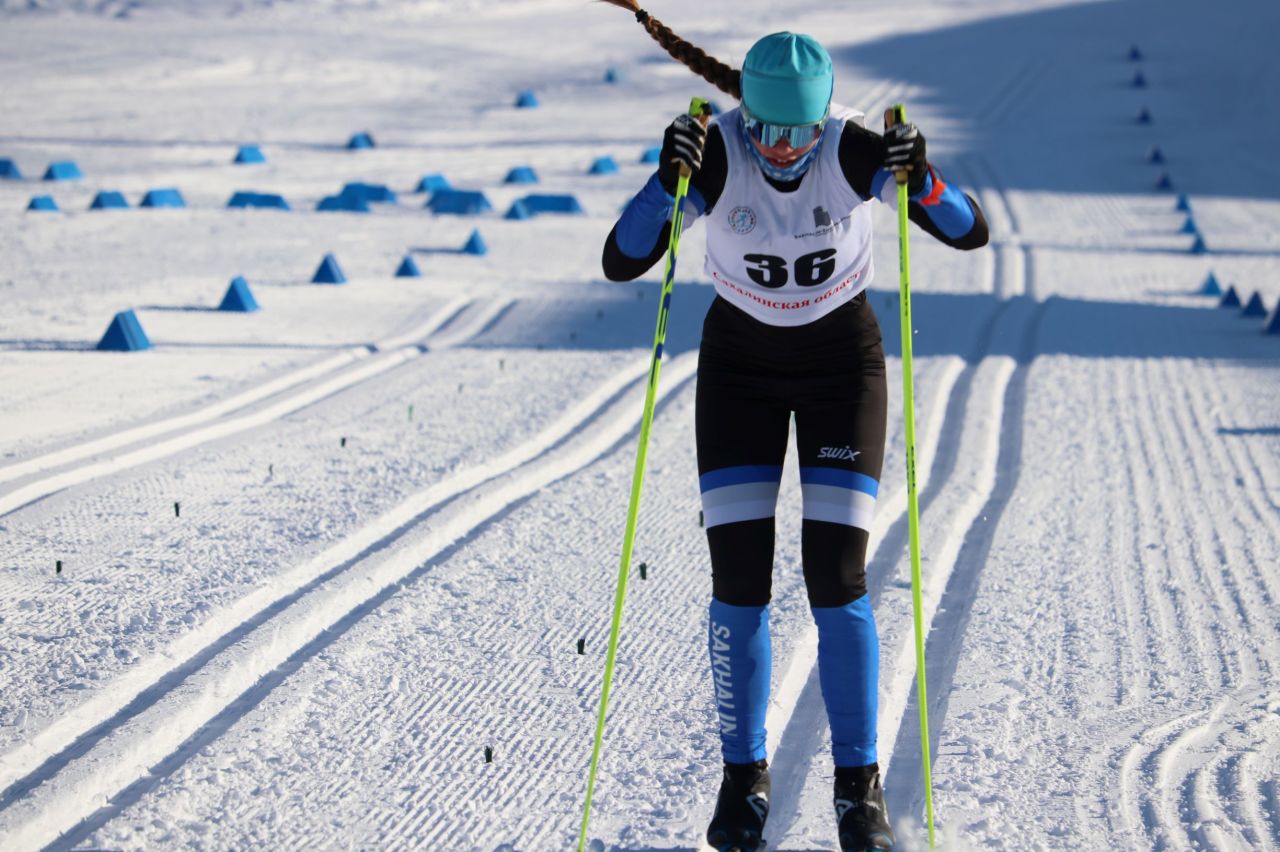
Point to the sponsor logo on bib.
(742, 220)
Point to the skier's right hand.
(682, 145)
(905, 151)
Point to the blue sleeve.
(941, 209)
(946, 206)
(642, 219)
(878, 182)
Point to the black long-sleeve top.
(938, 208)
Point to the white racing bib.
(788, 258)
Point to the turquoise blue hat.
(787, 79)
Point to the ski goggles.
(768, 135)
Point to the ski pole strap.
(701, 110)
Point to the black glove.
(904, 149)
(682, 144)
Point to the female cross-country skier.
(785, 183)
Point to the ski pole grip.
(699, 108)
(895, 115)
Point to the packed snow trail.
(317, 385)
(1100, 520)
(68, 731)
(318, 597)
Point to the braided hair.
(724, 77)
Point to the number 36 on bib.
(810, 270)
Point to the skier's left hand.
(904, 150)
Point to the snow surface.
(316, 560)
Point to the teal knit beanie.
(787, 79)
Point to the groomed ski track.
(282, 395)
(223, 661)
(970, 427)
(395, 664)
(456, 322)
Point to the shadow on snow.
(946, 324)
(612, 317)
(1038, 88)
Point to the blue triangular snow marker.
(329, 272)
(43, 202)
(1198, 247)
(527, 99)
(9, 170)
(651, 155)
(1254, 307)
(163, 198)
(408, 268)
(1272, 325)
(109, 200)
(1211, 287)
(552, 203)
(612, 75)
(343, 203)
(519, 210)
(430, 183)
(1144, 116)
(258, 199)
(459, 201)
(603, 166)
(521, 174)
(475, 244)
(63, 170)
(360, 141)
(125, 334)
(1139, 81)
(1184, 203)
(1189, 226)
(238, 297)
(1230, 299)
(1155, 155)
(249, 154)
(1135, 55)
(1164, 181)
(374, 193)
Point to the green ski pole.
(897, 114)
(699, 109)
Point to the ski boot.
(741, 808)
(861, 817)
